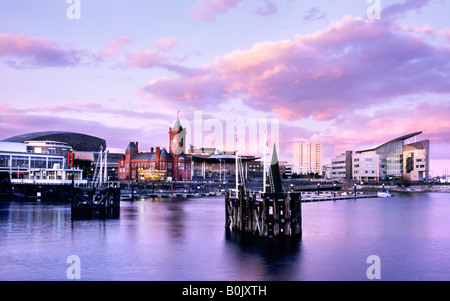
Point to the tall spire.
(177, 124)
(275, 171)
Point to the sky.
(350, 74)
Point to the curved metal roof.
(78, 141)
(404, 137)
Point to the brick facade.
(175, 163)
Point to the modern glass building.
(391, 153)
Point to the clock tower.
(177, 138)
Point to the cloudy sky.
(343, 73)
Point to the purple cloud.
(314, 14)
(401, 8)
(21, 51)
(354, 63)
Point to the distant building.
(85, 149)
(391, 160)
(369, 166)
(416, 162)
(326, 171)
(307, 158)
(46, 162)
(78, 141)
(341, 166)
(158, 164)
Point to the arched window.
(180, 163)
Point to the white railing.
(52, 182)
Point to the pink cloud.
(206, 10)
(357, 131)
(354, 63)
(147, 59)
(115, 47)
(445, 33)
(22, 51)
(165, 44)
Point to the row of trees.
(303, 176)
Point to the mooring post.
(227, 215)
(296, 213)
(241, 207)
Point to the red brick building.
(158, 162)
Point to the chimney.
(151, 149)
(137, 147)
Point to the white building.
(369, 166)
(307, 158)
(341, 166)
(47, 165)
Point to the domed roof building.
(78, 141)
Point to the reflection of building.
(175, 164)
(307, 158)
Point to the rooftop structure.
(78, 141)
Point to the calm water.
(185, 239)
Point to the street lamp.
(354, 185)
(292, 187)
(334, 189)
(318, 187)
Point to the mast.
(264, 162)
(237, 174)
(101, 165)
(105, 179)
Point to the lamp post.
(334, 189)
(354, 185)
(318, 187)
(292, 187)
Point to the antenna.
(236, 155)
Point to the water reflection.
(185, 239)
(278, 257)
(94, 214)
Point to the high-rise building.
(307, 158)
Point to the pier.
(92, 202)
(274, 214)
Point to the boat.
(383, 194)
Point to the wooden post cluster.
(92, 198)
(275, 214)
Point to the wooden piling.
(96, 198)
(274, 214)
